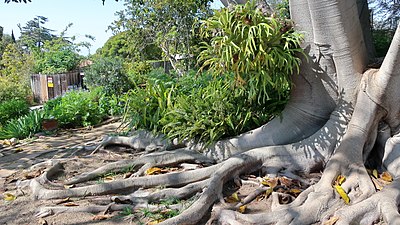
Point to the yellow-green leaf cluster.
(260, 50)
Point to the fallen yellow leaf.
(108, 179)
(233, 198)
(342, 194)
(70, 204)
(331, 221)
(18, 150)
(295, 191)
(9, 197)
(386, 176)
(154, 222)
(242, 209)
(270, 182)
(101, 217)
(69, 186)
(153, 170)
(340, 180)
(375, 173)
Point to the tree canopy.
(166, 24)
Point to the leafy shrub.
(58, 55)
(113, 105)
(258, 50)
(138, 68)
(12, 109)
(148, 103)
(212, 112)
(109, 74)
(15, 74)
(13, 89)
(24, 126)
(201, 108)
(76, 109)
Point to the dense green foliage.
(56, 56)
(14, 75)
(108, 73)
(124, 46)
(77, 109)
(259, 50)
(23, 127)
(191, 107)
(212, 111)
(162, 25)
(250, 57)
(5, 40)
(12, 109)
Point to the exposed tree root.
(141, 164)
(140, 140)
(172, 179)
(383, 204)
(47, 211)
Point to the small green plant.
(170, 201)
(127, 211)
(23, 127)
(12, 109)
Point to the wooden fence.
(45, 87)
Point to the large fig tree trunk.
(338, 114)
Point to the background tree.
(384, 18)
(34, 33)
(124, 45)
(164, 23)
(386, 14)
(16, 68)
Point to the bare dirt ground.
(17, 164)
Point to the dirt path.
(15, 162)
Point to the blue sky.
(88, 17)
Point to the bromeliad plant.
(259, 49)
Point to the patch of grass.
(127, 211)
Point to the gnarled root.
(383, 204)
(141, 164)
(47, 211)
(140, 140)
(173, 179)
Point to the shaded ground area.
(30, 158)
